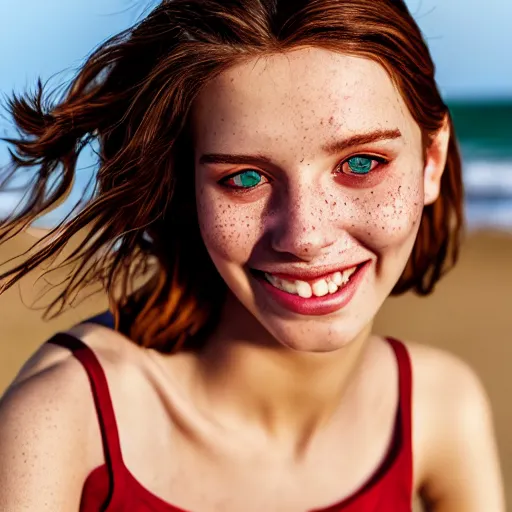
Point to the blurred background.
(470, 312)
(471, 46)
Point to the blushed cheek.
(391, 214)
(230, 230)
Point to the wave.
(9, 201)
(488, 185)
(492, 214)
(488, 178)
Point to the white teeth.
(320, 288)
(288, 286)
(303, 289)
(332, 287)
(337, 279)
(347, 273)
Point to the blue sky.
(470, 41)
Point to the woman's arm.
(45, 423)
(464, 473)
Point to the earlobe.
(435, 162)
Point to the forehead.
(307, 90)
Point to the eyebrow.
(331, 148)
(359, 139)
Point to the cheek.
(230, 229)
(392, 212)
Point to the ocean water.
(484, 130)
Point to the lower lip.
(316, 306)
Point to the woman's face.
(310, 189)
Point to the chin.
(314, 335)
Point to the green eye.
(246, 179)
(360, 164)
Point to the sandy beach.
(469, 314)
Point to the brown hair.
(133, 97)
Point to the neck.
(253, 380)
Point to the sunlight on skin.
(306, 213)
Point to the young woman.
(279, 168)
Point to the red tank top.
(112, 488)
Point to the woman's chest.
(209, 472)
(172, 455)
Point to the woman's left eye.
(244, 180)
(361, 164)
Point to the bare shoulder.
(113, 349)
(443, 377)
(48, 427)
(45, 416)
(454, 433)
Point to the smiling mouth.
(327, 285)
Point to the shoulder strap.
(405, 388)
(102, 399)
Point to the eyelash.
(379, 160)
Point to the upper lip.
(309, 274)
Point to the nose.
(303, 225)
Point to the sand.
(469, 314)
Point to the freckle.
(313, 228)
(247, 225)
(345, 204)
(326, 202)
(378, 206)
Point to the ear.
(435, 162)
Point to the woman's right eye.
(244, 180)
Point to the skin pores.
(308, 208)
